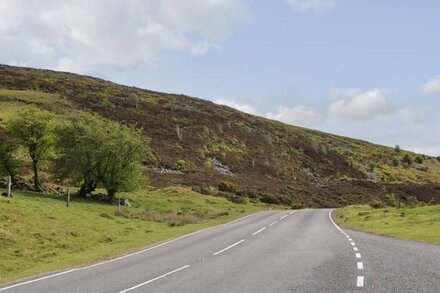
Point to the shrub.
(419, 159)
(296, 205)
(377, 204)
(233, 198)
(438, 158)
(270, 199)
(133, 99)
(396, 162)
(397, 149)
(407, 160)
(228, 187)
(106, 103)
(180, 165)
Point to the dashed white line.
(273, 223)
(347, 236)
(155, 279)
(360, 265)
(230, 246)
(256, 232)
(355, 248)
(352, 243)
(291, 212)
(349, 239)
(360, 281)
(358, 255)
(127, 255)
(283, 217)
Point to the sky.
(368, 69)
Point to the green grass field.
(419, 223)
(38, 233)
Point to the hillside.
(200, 144)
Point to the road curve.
(271, 251)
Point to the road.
(270, 251)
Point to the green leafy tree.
(96, 151)
(120, 158)
(7, 163)
(32, 128)
(79, 140)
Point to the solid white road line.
(360, 281)
(125, 256)
(230, 246)
(283, 217)
(255, 233)
(273, 223)
(358, 255)
(360, 265)
(155, 279)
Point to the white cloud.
(431, 87)
(355, 104)
(241, 107)
(78, 34)
(299, 115)
(415, 115)
(317, 6)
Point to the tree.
(407, 160)
(96, 151)
(32, 128)
(397, 149)
(79, 139)
(7, 162)
(120, 158)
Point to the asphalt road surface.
(271, 251)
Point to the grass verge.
(419, 223)
(39, 234)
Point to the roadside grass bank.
(38, 233)
(418, 223)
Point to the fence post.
(68, 197)
(9, 185)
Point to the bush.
(233, 198)
(296, 205)
(396, 162)
(407, 160)
(397, 149)
(377, 204)
(133, 99)
(228, 187)
(438, 158)
(270, 199)
(180, 165)
(419, 159)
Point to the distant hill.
(200, 144)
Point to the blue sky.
(366, 69)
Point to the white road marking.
(283, 217)
(349, 239)
(355, 248)
(360, 281)
(255, 233)
(230, 246)
(155, 279)
(124, 256)
(358, 255)
(352, 243)
(360, 265)
(273, 223)
(347, 236)
(291, 212)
